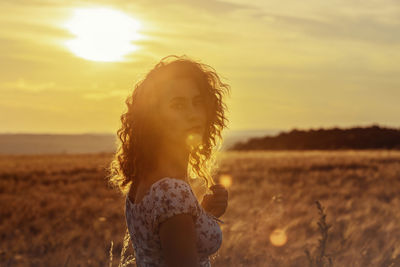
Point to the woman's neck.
(173, 162)
(170, 163)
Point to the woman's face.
(181, 107)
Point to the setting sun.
(102, 34)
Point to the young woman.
(169, 132)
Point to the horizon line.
(226, 130)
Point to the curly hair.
(138, 135)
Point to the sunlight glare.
(193, 140)
(102, 34)
(225, 180)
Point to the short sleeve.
(171, 197)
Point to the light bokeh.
(278, 237)
(225, 180)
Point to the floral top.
(165, 198)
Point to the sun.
(102, 34)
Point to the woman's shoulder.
(164, 184)
(172, 196)
(167, 197)
(170, 183)
(172, 188)
(173, 192)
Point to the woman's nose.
(194, 113)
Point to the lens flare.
(225, 180)
(278, 237)
(193, 140)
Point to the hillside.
(38, 144)
(372, 137)
(31, 144)
(57, 210)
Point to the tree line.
(371, 137)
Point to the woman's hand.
(217, 202)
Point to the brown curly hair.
(139, 137)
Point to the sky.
(290, 64)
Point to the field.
(56, 210)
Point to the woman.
(169, 132)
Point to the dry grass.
(320, 259)
(57, 210)
(123, 260)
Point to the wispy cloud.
(208, 5)
(106, 95)
(339, 27)
(25, 86)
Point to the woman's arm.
(178, 241)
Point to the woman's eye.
(177, 106)
(199, 102)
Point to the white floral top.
(165, 198)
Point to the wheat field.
(57, 210)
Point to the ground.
(58, 209)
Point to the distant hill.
(231, 137)
(372, 137)
(56, 143)
(19, 144)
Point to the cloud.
(369, 23)
(33, 30)
(106, 95)
(25, 86)
(212, 6)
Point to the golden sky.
(290, 63)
